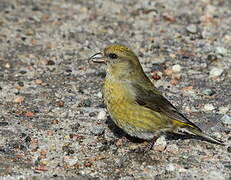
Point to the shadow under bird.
(133, 102)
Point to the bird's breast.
(117, 92)
(118, 97)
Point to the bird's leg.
(148, 147)
(151, 144)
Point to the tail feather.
(198, 132)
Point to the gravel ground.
(54, 124)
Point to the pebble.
(208, 107)
(102, 115)
(215, 72)
(38, 81)
(229, 149)
(19, 99)
(168, 72)
(170, 167)
(192, 28)
(127, 178)
(211, 57)
(7, 65)
(226, 119)
(85, 103)
(97, 130)
(227, 38)
(209, 92)
(4, 123)
(99, 94)
(173, 148)
(223, 109)
(92, 114)
(50, 63)
(215, 175)
(160, 144)
(176, 68)
(221, 50)
(71, 162)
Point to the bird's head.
(120, 60)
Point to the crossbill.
(133, 102)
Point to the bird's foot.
(147, 148)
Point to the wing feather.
(159, 103)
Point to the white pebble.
(170, 167)
(223, 109)
(192, 28)
(102, 115)
(215, 72)
(215, 175)
(208, 107)
(221, 50)
(176, 68)
(7, 65)
(226, 119)
(99, 94)
(71, 162)
(160, 144)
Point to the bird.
(133, 102)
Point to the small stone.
(97, 130)
(23, 72)
(226, 119)
(102, 115)
(75, 127)
(216, 175)
(208, 107)
(44, 61)
(20, 83)
(7, 65)
(38, 81)
(71, 162)
(60, 103)
(211, 57)
(170, 167)
(50, 62)
(173, 148)
(208, 92)
(156, 75)
(85, 103)
(192, 28)
(19, 99)
(4, 123)
(168, 72)
(92, 114)
(229, 149)
(99, 94)
(127, 178)
(176, 68)
(221, 50)
(223, 110)
(227, 38)
(160, 144)
(215, 72)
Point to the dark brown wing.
(159, 103)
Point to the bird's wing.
(159, 103)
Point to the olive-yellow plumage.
(133, 102)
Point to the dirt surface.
(53, 123)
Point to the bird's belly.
(134, 119)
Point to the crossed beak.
(97, 58)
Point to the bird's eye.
(112, 56)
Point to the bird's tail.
(197, 131)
